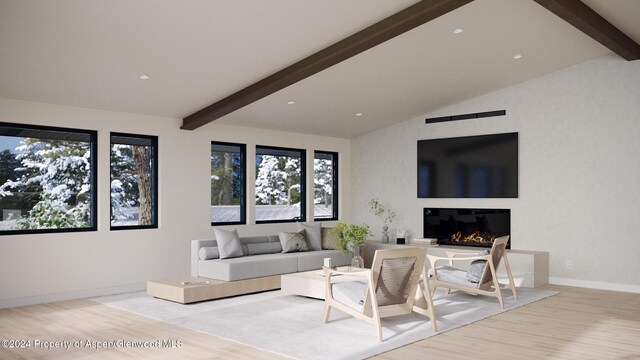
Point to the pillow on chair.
(476, 268)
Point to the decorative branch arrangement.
(387, 215)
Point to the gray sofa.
(263, 257)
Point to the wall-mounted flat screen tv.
(484, 166)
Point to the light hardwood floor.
(576, 324)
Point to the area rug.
(292, 325)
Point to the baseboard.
(72, 295)
(595, 284)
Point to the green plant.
(387, 215)
(350, 236)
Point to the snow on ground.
(230, 213)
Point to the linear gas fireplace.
(466, 227)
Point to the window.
(228, 200)
(134, 179)
(325, 185)
(280, 180)
(47, 179)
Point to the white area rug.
(292, 325)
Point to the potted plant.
(350, 238)
(387, 215)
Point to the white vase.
(385, 234)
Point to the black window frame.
(334, 186)
(303, 185)
(93, 176)
(154, 180)
(243, 197)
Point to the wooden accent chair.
(453, 278)
(389, 288)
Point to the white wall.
(47, 267)
(579, 178)
(579, 185)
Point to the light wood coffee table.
(310, 283)
(199, 289)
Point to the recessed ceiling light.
(359, 114)
(517, 56)
(290, 102)
(458, 30)
(144, 77)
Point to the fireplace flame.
(476, 237)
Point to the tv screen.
(484, 166)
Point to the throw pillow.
(229, 244)
(292, 242)
(329, 239)
(208, 252)
(263, 248)
(476, 268)
(314, 235)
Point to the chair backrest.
(497, 251)
(396, 274)
(394, 280)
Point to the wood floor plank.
(575, 324)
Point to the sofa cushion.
(293, 241)
(350, 293)
(254, 239)
(452, 275)
(263, 248)
(229, 244)
(329, 239)
(248, 267)
(208, 252)
(314, 235)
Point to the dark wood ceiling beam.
(396, 24)
(578, 14)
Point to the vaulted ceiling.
(91, 54)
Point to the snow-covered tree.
(124, 191)
(323, 181)
(8, 165)
(131, 171)
(226, 181)
(142, 157)
(278, 180)
(270, 182)
(58, 171)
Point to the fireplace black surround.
(466, 227)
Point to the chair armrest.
(330, 272)
(475, 257)
(434, 259)
(454, 254)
